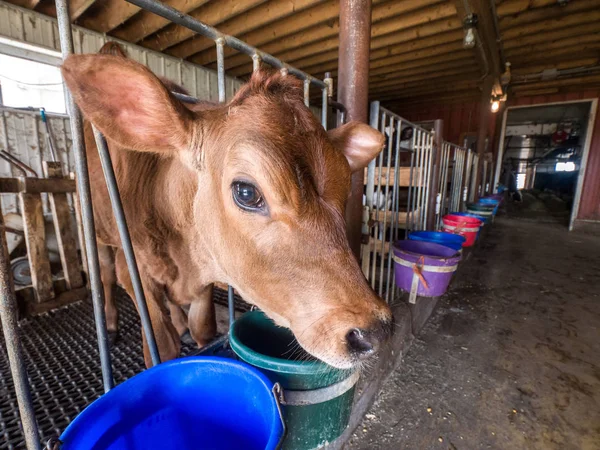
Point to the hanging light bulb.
(469, 25)
(495, 106)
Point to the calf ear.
(359, 142)
(127, 103)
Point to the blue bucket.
(184, 404)
(454, 241)
(490, 201)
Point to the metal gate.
(396, 200)
(8, 313)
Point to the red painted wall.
(464, 117)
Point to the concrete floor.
(511, 357)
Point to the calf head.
(268, 211)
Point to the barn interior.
(475, 99)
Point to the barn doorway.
(542, 158)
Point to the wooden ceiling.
(417, 54)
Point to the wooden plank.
(388, 178)
(223, 13)
(65, 235)
(321, 22)
(28, 307)
(144, 23)
(9, 185)
(37, 253)
(37, 185)
(108, 14)
(401, 217)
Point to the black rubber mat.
(64, 367)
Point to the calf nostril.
(359, 343)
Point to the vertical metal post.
(8, 320)
(377, 200)
(221, 68)
(256, 62)
(394, 225)
(324, 106)
(434, 185)
(85, 199)
(410, 203)
(388, 186)
(307, 93)
(117, 206)
(220, 42)
(353, 85)
(366, 229)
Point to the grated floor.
(64, 367)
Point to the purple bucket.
(438, 264)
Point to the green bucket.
(317, 398)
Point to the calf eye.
(247, 196)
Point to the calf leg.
(167, 338)
(202, 320)
(108, 274)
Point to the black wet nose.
(359, 342)
(365, 342)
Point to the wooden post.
(37, 252)
(65, 235)
(353, 87)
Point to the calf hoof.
(113, 337)
(187, 339)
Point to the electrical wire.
(29, 84)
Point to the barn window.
(25, 83)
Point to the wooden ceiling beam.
(585, 42)
(388, 17)
(378, 50)
(420, 57)
(391, 68)
(553, 36)
(553, 17)
(76, 8)
(423, 79)
(29, 4)
(431, 90)
(573, 81)
(404, 104)
(105, 15)
(511, 7)
(558, 55)
(220, 16)
(144, 23)
(269, 13)
(569, 64)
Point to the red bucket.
(464, 226)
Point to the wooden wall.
(460, 118)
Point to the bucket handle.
(279, 400)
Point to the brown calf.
(250, 193)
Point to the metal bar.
(11, 159)
(377, 226)
(410, 203)
(117, 207)
(324, 108)
(307, 93)
(85, 199)
(10, 328)
(220, 42)
(231, 305)
(385, 205)
(429, 140)
(175, 16)
(394, 225)
(256, 60)
(366, 256)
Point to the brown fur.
(175, 166)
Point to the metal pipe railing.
(85, 200)
(119, 212)
(203, 29)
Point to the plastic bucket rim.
(418, 255)
(266, 362)
(277, 427)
